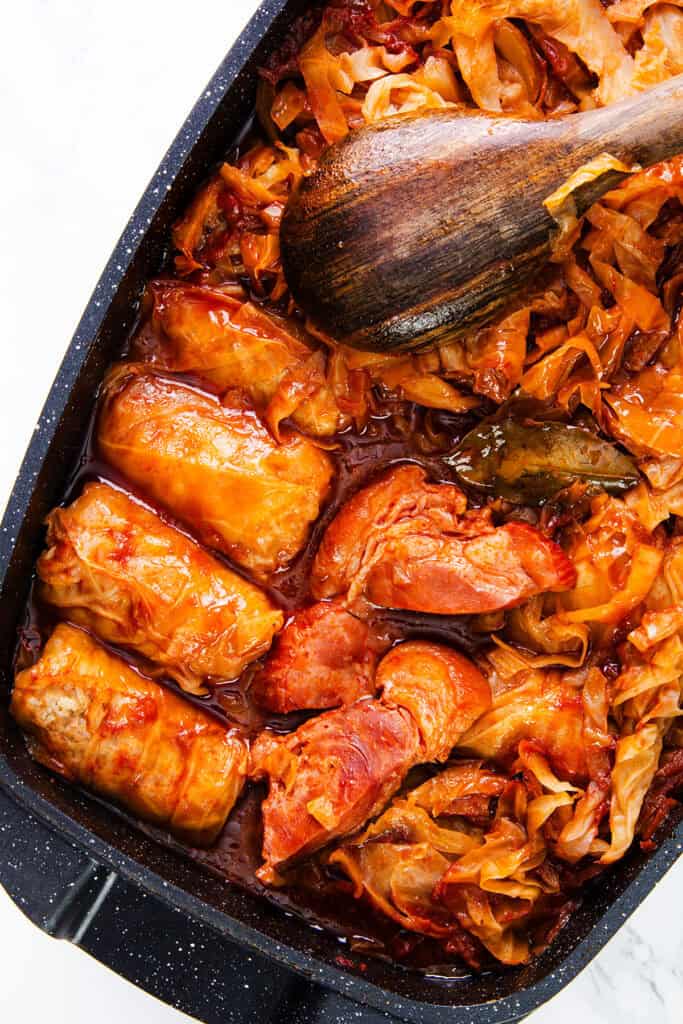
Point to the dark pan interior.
(205, 137)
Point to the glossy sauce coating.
(546, 728)
(395, 433)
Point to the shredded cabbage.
(586, 684)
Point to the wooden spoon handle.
(418, 228)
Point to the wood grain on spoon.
(420, 227)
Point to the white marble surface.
(92, 94)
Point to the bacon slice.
(409, 544)
(443, 691)
(335, 772)
(323, 657)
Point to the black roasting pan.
(184, 887)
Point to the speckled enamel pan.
(505, 996)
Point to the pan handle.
(182, 962)
(55, 884)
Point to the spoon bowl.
(419, 228)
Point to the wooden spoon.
(418, 228)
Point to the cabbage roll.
(235, 344)
(113, 566)
(215, 466)
(90, 717)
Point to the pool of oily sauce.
(396, 432)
